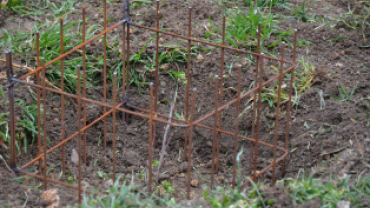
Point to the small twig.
(6, 164)
(164, 144)
(359, 146)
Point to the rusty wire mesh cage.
(117, 100)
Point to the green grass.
(344, 95)
(301, 13)
(354, 21)
(330, 193)
(26, 127)
(11, 5)
(300, 190)
(265, 3)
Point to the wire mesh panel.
(204, 73)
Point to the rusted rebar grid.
(153, 115)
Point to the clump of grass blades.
(235, 198)
(266, 3)
(242, 27)
(26, 127)
(11, 5)
(126, 196)
(330, 193)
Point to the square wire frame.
(154, 117)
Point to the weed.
(305, 77)
(330, 193)
(26, 127)
(265, 3)
(126, 196)
(301, 13)
(11, 5)
(101, 174)
(354, 21)
(345, 96)
(242, 27)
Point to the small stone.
(221, 178)
(194, 183)
(334, 57)
(174, 170)
(343, 204)
(182, 175)
(56, 110)
(55, 122)
(165, 66)
(108, 183)
(52, 197)
(74, 156)
(161, 40)
(244, 63)
(200, 57)
(162, 83)
(183, 167)
(209, 163)
(163, 177)
(96, 15)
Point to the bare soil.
(322, 141)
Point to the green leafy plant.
(101, 174)
(301, 13)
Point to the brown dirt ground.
(341, 63)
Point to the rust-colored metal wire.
(152, 115)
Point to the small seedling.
(345, 96)
(101, 174)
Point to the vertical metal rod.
(190, 141)
(62, 96)
(124, 60)
(278, 112)
(150, 139)
(128, 58)
(79, 132)
(44, 120)
(255, 97)
(258, 116)
(84, 74)
(156, 78)
(38, 97)
(105, 73)
(114, 124)
(221, 90)
(236, 126)
(290, 99)
(10, 74)
(214, 137)
(187, 84)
